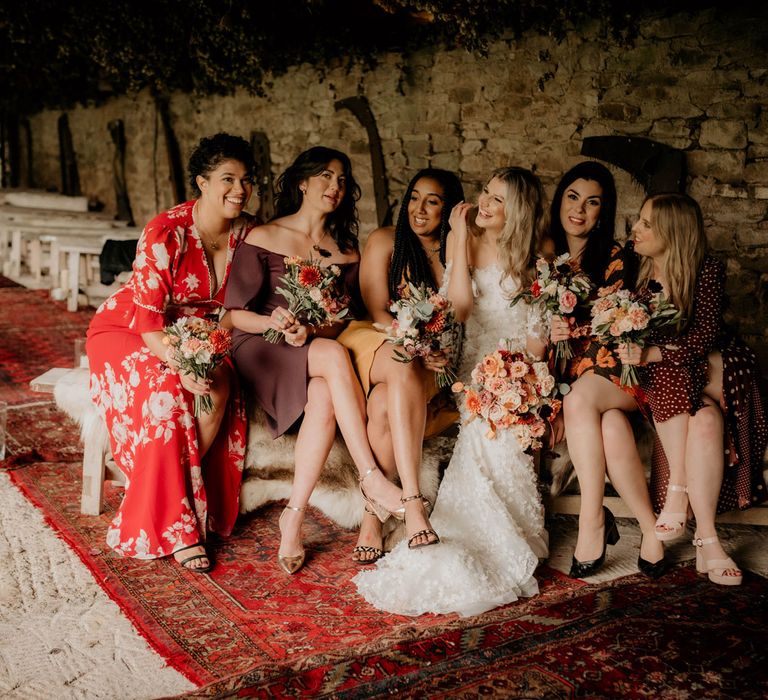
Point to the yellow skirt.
(362, 340)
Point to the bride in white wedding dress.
(488, 515)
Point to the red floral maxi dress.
(172, 496)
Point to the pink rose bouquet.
(312, 293)
(424, 323)
(511, 391)
(621, 316)
(197, 346)
(559, 287)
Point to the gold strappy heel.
(378, 510)
(291, 564)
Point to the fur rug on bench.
(268, 468)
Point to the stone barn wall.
(696, 83)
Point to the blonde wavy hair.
(677, 222)
(526, 223)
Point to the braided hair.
(409, 261)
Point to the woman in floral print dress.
(182, 473)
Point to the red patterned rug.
(248, 630)
(35, 335)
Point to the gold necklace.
(324, 252)
(212, 243)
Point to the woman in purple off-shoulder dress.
(306, 382)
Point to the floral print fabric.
(172, 496)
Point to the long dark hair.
(600, 242)
(342, 224)
(409, 260)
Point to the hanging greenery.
(56, 54)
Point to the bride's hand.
(458, 219)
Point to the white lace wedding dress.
(488, 513)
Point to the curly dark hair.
(409, 261)
(597, 252)
(213, 150)
(342, 224)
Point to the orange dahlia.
(309, 276)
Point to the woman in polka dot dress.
(700, 382)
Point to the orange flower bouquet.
(512, 391)
(424, 324)
(197, 346)
(621, 316)
(312, 293)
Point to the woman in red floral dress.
(182, 473)
(599, 435)
(701, 384)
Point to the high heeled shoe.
(364, 554)
(291, 564)
(654, 569)
(382, 513)
(715, 568)
(421, 533)
(673, 524)
(582, 569)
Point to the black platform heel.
(582, 569)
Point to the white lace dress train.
(488, 513)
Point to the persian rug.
(35, 335)
(248, 630)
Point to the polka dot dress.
(675, 386)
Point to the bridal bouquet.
(312, 293)
(197, 346)
(621, 316)
(424, 323)
(559, 287)
(512, 391)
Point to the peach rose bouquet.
(197, 346)
(312, 292)
(511, 391)
(560, 287)
(621, 316)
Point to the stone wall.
(696, 83)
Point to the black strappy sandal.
(194, 569)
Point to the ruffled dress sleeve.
(157, 257)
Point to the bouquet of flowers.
(512, 391)
(197, 346)
(559, 287)
(424, 323)
(621, 316)
(312, 293)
